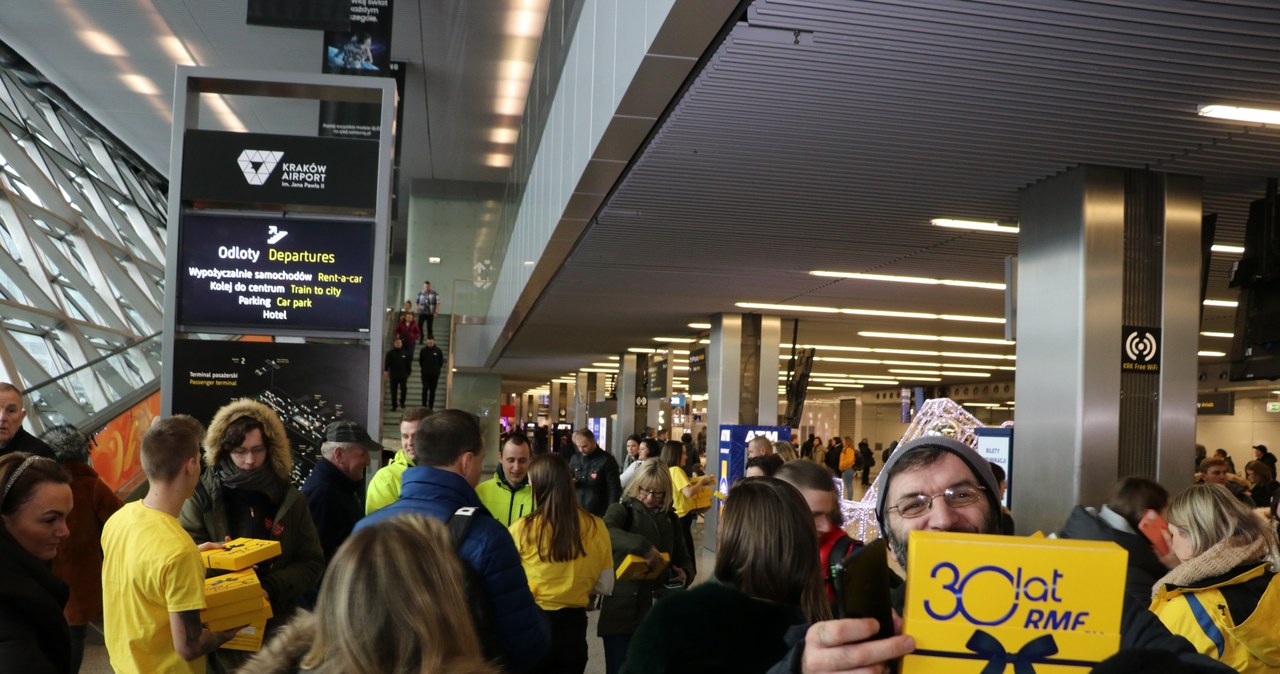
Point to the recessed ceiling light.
(677, 340)
(942, 372)
(524, 23)
(1223, 248)
(981, 404)
(868, 312)
(605, 364)
(176, 50)
(509, 106)
(700, 326)
(498, 160)
(1210, 354)
(615, 357)
(598, 370)
(1220, 303)
(140, 84)
(433, 260)
(976, 225)
(503, 135)
(528, 263)
(638, 349)
(1258, 115)
(908, 279)
(935, 338)
(1224, 335)
(101, 43)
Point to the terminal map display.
(251, 272)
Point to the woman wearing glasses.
(245, 493)
(642, 524)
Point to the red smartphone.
(1153, 526)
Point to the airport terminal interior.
(867, 219)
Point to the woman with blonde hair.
(643, 525)
(566, 555)
(1224, 597)
(768, 578)
(391, 601)
(785, 450)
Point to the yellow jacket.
(384, 488)
(557, 585)
(1249, 645)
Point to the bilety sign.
(228, 167)
(1140, 351)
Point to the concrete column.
(581, 398)
(770, 338)
(481, 395)
(1079, 284)
(625, 393)
(724, 381)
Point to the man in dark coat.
(398, 365)
(595, 474)
(335, 489)
(13, 437)
(430, 361)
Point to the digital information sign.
(287, 273)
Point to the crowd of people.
(442, 568)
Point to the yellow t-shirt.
(679, 502)
(150, 568)
(557, 585)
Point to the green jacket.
(505, 504)
(632, 531)
(384, 488)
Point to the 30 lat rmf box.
(241, 553)
(981, 604)
(230, 588)
(257, 611)
(248, 639)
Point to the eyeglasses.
(243, 452)
(649, 493)
(911, 507)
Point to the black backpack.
(479, 604)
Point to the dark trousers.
(403, 386)
(866, 474)
(686, 526)
(77, 646)
(615, 651)
(430, 320)
(568, 654)
(429, 383)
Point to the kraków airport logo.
(257, 165)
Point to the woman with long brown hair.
(566, 554)
(768, 578)
(392, 601)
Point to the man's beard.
(898, 543)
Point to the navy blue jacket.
(488, 549)
(336, 502)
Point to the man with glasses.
(13, 437)
(934, 484)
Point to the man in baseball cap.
(335, 488)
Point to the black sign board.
(312, 14)
(269, 273)
(1216, 403)
(698, 371)
(1140, 350)
(364, 50)
(255, 168)
(657, 378)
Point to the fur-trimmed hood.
(274, 435)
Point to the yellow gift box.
(234, 608)
(248, 639)
(635, 567)
(240, 553)
(230, 588)
(259, 613)
(991, 604)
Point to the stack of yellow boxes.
(235, 599)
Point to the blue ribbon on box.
(987, 647)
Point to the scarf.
(261, 479)
(1224, 556)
